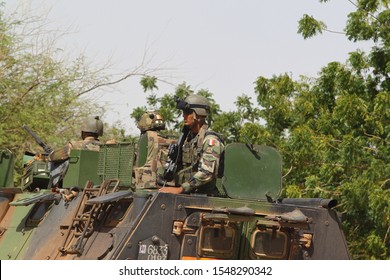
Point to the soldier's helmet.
(151, 121)
(93, 125)
(195, 102)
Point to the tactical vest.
(190, 159)
(191, 154)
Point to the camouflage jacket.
(89, 143)
(201, 155)
(156, 157)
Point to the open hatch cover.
(252, 172)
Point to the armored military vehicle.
(112, 219)
(24, 207)
(17, 223)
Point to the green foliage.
(38, 90)
(246, 110)
(274, 96)
(229, 125)
(370, 21)
(114, 132)
(149, 83)
(334, 131)
(166, 104)
(241, 125)
(309, 26)
(360, 27)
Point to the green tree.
(166, 104)
(241, 125)
(39, 88)
(334, 131)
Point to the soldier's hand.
(174, 190)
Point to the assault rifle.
(45, 147)
(174, 155)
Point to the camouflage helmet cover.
(93, 125)
(151, 120)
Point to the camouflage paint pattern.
(18, 225)
(113, 222)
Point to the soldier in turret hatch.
(91, 129)
(200, 153)
(154, 144)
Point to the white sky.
(219, 45)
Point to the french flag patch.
(211, 142)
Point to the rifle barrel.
(38, 140)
